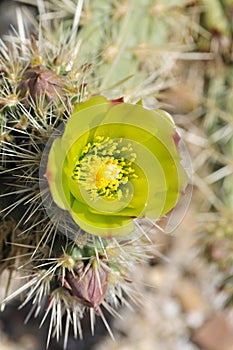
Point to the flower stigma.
(104, 167)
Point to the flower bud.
(40, 82)
(88, 286)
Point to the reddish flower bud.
(88, 287)
(40, 81)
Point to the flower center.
(110, 172)
(105, 167)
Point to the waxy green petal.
(54, 175)
(158, 176)
(103, 225)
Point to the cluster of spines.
(216, 231)
(146, 53)
(40, 83)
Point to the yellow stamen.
(104, 167)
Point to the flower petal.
(158, 177)
(97, 224)
(54, 175)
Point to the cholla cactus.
(207, 27)
(142, 61)
(215, 178)
(78, 207)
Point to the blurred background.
(180, 55)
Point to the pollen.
(105, 167)
(109, 172)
